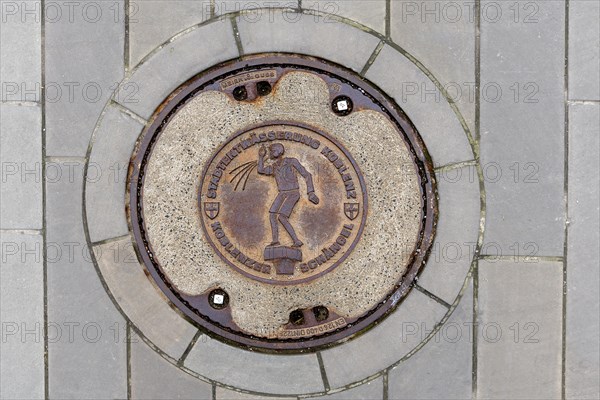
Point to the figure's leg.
(274, 229)
(284, 213)
(273, 213)
(288, 227)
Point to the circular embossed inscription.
(283, 203)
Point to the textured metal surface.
(249, 80)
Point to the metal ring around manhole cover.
(282, 202)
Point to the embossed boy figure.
(285, 170)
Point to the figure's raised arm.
(309, 181)
(262, 153)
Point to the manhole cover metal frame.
(372, 98)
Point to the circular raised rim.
(363, 188)
(386, 105)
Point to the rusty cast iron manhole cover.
(282, 202)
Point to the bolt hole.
(342, 105)
(263, 88)
(321, 313)
(297, 317)
(218, 299)
(240, 93)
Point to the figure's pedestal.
(284, 258)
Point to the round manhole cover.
(282, 202)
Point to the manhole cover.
(282, 202)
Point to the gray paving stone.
(384, 344)
(107, 174)
(372, 390)
(21, 155)
(520, 323)
(145, 306)
(174, 64)
(153, 22)
(457, 232)
(226, 394)
(154, 378)
(429, 111)
(84, 62)
(86, 334)
(583, 299)
(22, 345)
(442, 369)
(20, 51)
(441, 35)
(276, 374)
(370, 13)
(584, 50)
(305, 34)
(525, 210)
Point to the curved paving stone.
(384, 344)
(174, 64)
(153, 22)
(265, 373)
(154, 378)
(442, 369)
(430, 112)
(457, 233)
(307, 34)
(145, 307)
(107, 174)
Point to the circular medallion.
(282, 202)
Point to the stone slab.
(22, 346)
(20, 51)
(520, 330)
(456, 235)
(584, 50)
(153, 22)
(265, 373)
(583, 297)
(87, 345)
(107, 174)
(153, 80)
(146, 307)
(522, 132)
(441, 35)
(385, 343)
(300, 33)
(370, 13)
(84, 63)
(21, 155)
(429, 111)
(154, 378)
(442, 369)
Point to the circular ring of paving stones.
(168, 331)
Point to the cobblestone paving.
(506, 95)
